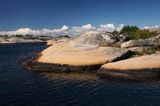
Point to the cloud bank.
(152, 27)
(66, 30)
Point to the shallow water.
(20, 86)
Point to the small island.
(12, 39)
(131, 53)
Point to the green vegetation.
(129, 30)
(63, 36)
(142, 34)
(135, 33)
(115, 32)
(18, 35)
(146, 52)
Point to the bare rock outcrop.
(144, 67)
(81, 53)
(137, 43)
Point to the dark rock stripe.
(137, 74)
(32, 64)
(46, 67)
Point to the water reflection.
(71, 76)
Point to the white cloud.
(107, 27)
(88, 27)
(146, 27)
(66, 30)
(151, 27)
(76, 30)
(26, 31)
(65, 27)
(21, 31)
(120, 27)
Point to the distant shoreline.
(22, 42)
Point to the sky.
(40, 15)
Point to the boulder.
(85, 52)
(98, 39)
(65, 57)
(155, 29)
(144, 67)
(2, 40)
(158, 52)
(156, 40)
(137, 43)
(81, 57)
(123, 38)
(141, 48)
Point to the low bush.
(147, 52)
(135, 33)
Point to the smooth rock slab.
(144, 67)
(62, 57)
(82, 57)
(141, 48)
(56, 40)
(96, 38)
(137, 43)
(84, 52)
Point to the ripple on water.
(19, 86)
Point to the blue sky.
(39, 14)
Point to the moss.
(147, 52)
(139, 53)
(151, 51)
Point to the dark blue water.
(22, 87)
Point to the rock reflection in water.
(71, 76)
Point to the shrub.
(18, 35)
(147, 52)
(143, 34)
(129, 30)
(135, 33)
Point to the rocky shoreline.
(22, 42)
(22, 39)
(102, 53)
